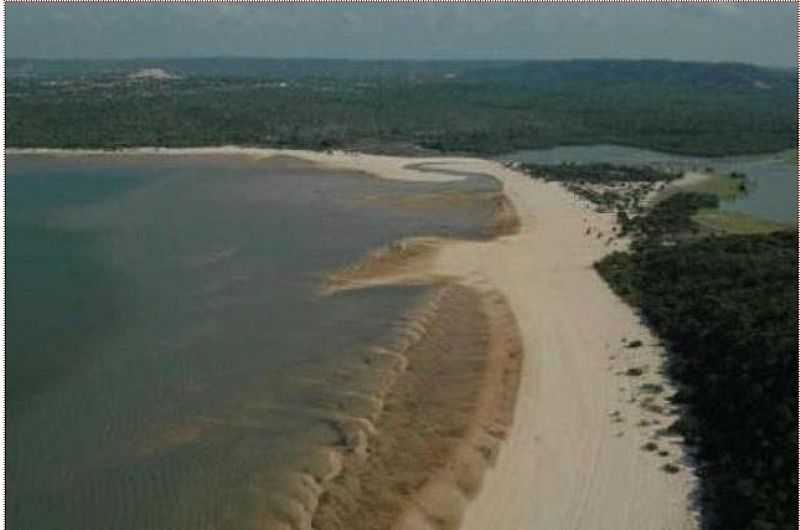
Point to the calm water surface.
(169, 362)
(772, 179)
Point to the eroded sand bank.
(574, 457)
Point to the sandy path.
(573, 459)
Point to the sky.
(742, 32)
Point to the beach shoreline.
(573, 457)
(446, 405)
(578, 454)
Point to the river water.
(170, 363)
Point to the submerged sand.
(446, 409)
(574, 457)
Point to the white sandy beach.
(569, 462)
(574, 458)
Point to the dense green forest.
(528, 73)
(455, 107)
(727, 310)
(599, 173)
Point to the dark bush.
(727, 308)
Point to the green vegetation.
(479, 108)
(600, 173)
(734, 222)
(727, 309)
(726, 187)
(609, 186)
(651, 388)
(790, 156)
(669, 219)
(670, 468)
(650, 446)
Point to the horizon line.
(397, 59)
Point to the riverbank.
(719, 220)
(574, 456)
(583, 451)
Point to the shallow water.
(772, 179)
(170, 364)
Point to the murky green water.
(772, 179)
(170, 364)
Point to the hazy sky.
(755, 33)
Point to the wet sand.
(574, 457)
(448, 404)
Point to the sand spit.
(688, 180)
(410, 261)
(574, 458)
(402, 262)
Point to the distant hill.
(538, 73)
(728, 75)
(232, 67)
